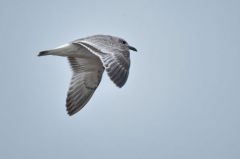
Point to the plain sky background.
(181, 100)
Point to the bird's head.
(123, 44)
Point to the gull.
(89, 57)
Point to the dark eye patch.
(123, 41)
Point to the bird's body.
(89, 57)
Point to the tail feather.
(43, 53)
(65, 50)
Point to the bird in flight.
(89, 57)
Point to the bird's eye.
(123, 41)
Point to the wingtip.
(70, 114)
(119, 85)
(71, 110)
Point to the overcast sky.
(181, 100)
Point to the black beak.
(132, 48)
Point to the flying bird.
(89, 57)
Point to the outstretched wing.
(116, 62)
(117, 67)
(87, 74)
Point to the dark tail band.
(43, 53)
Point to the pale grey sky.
(181, 100)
